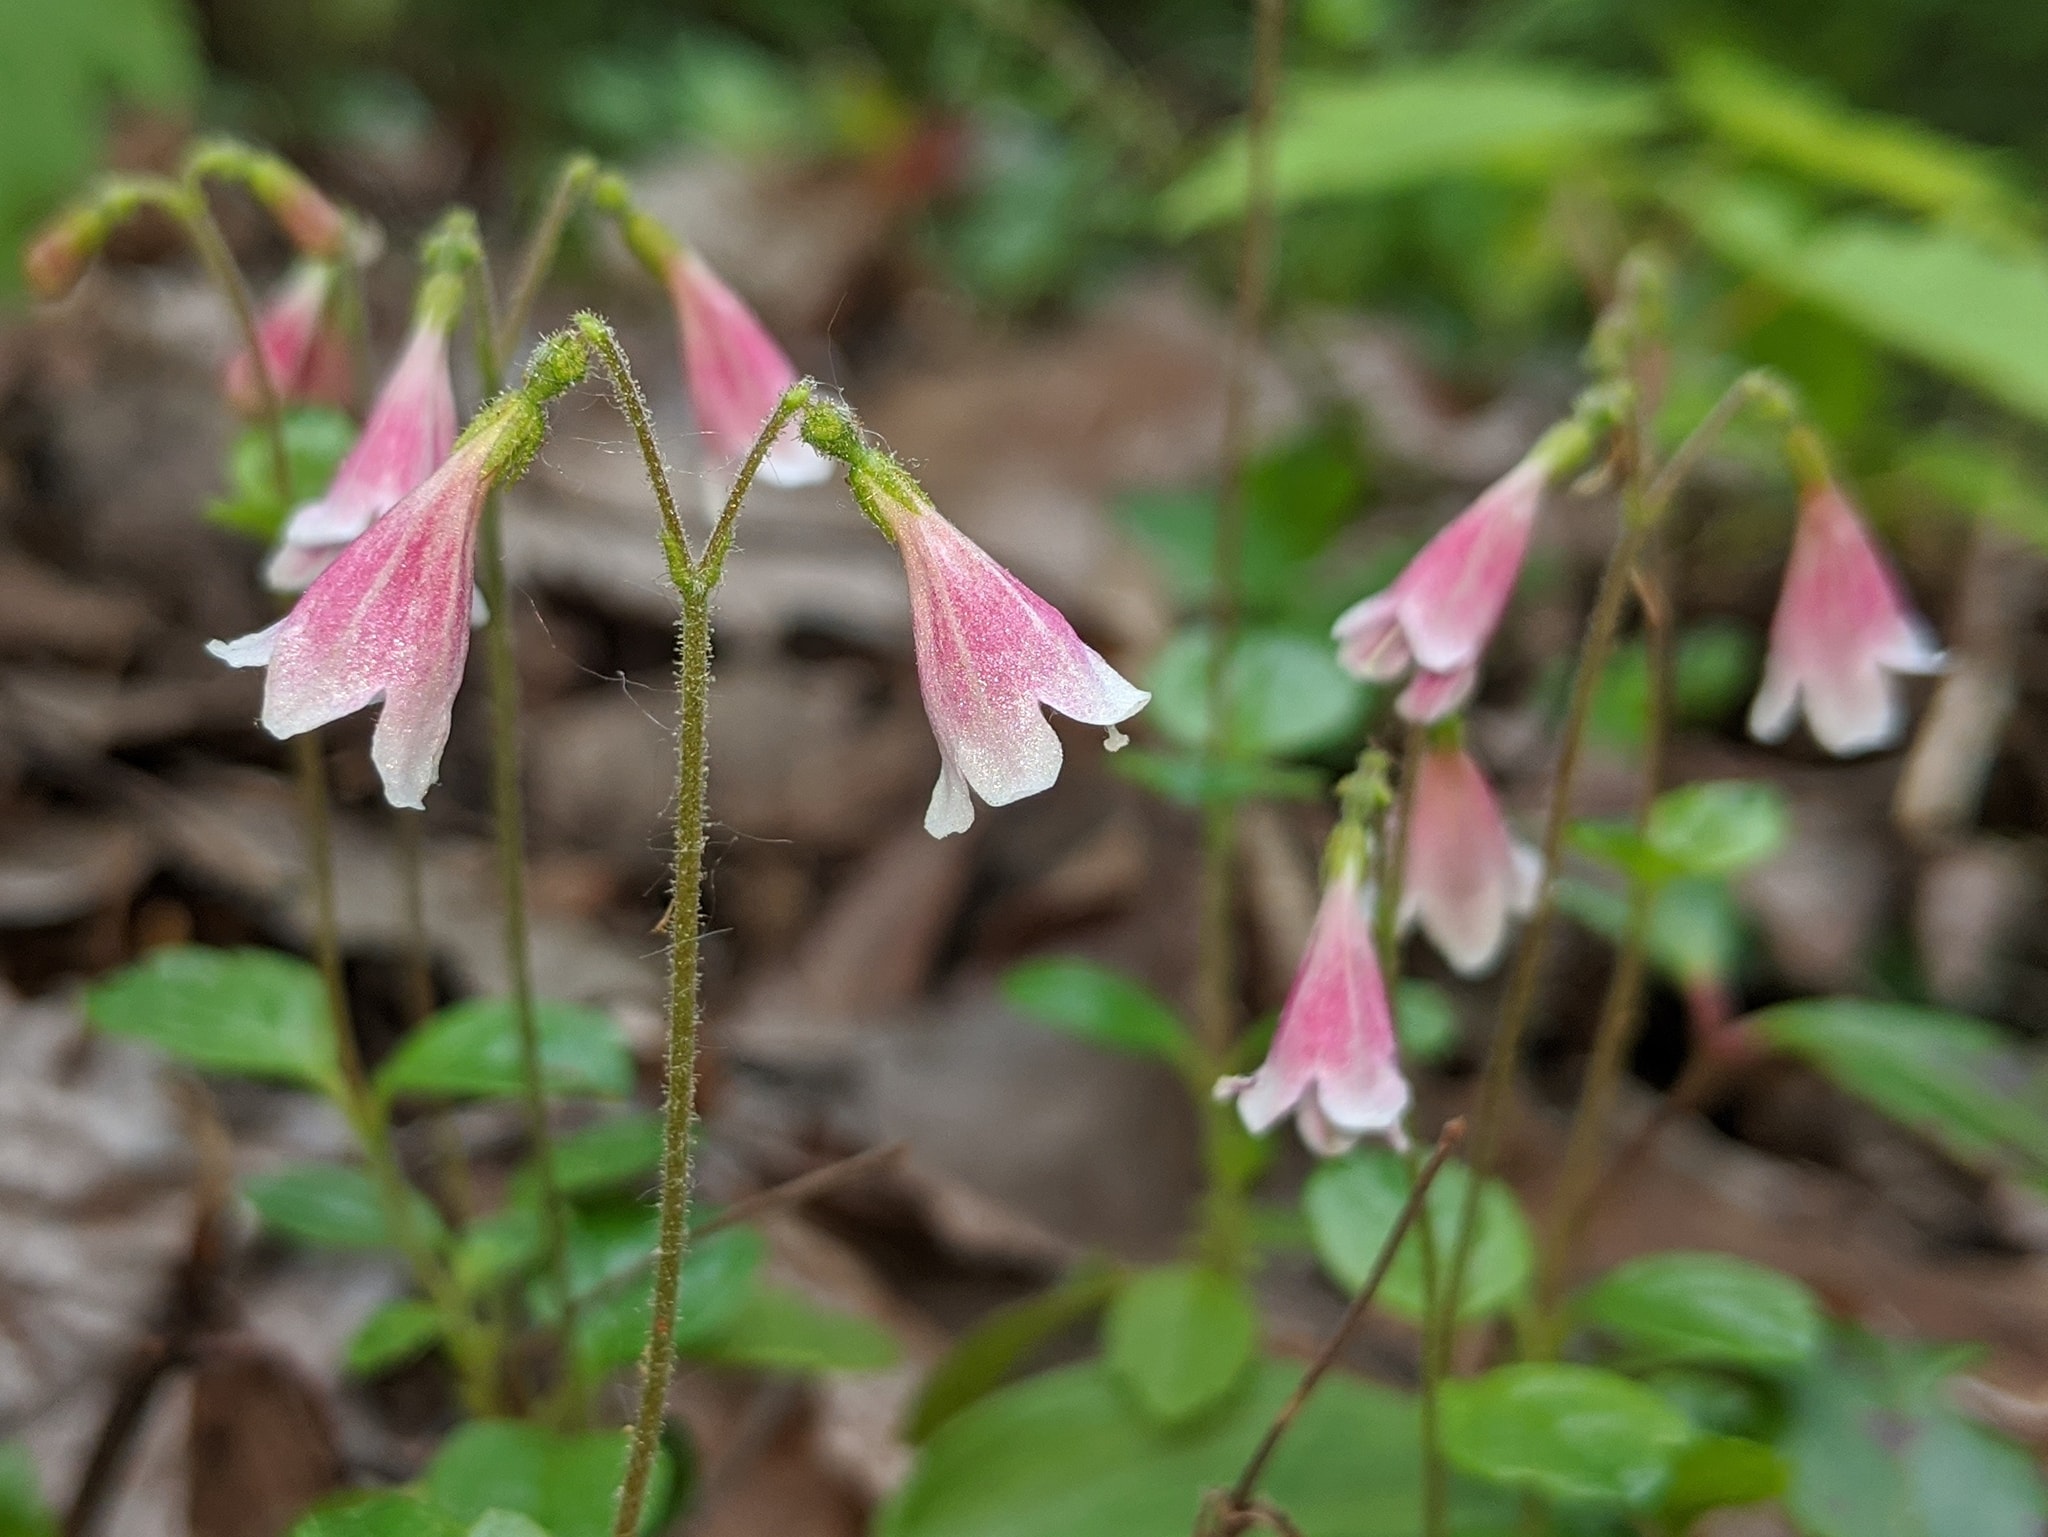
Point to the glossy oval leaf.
(506, 1523)
(611, 1324)
(333, 1207)
(396, 1333)
(1288, 695)
(1958, 1081)
(1705, 1309)
(379, 1515)
(779, 1330)
(1720, 827)
(1066, 1454)
(987, 1354)
(1568, 1433)
(1353, 1202)
(564, 1482)
(1403, 128)
(1179, 1338)
(1097, 1005)
(618, 1151)
(258, 1013)
(1719, 1471)
(471, 1050)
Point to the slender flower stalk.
(991, 653)
(1216, 984)
(696, 581)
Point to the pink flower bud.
(304, 352)
(312, 222)
(1842, 627)
(1465, 876)
(990, 654)
(389, 620)
(56, 259)
(736, 374)
(1333, 1060)
(1442, 610)
(411, 430)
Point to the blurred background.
(1007, 229)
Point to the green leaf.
(1179, 1338)
(1403, 128)
(1717, 1471)
(22, 1511)
(471, 1049)
(1289, 697)
(316, 440)
(1189, 779)
(1065, 1454)
(1706, 1309)
(1773, 115)
(1958, 1081)
(1877, 1450)
(332, 1207)
(1697, 935)
(379, 1515)
(1426, 1021)
(611, 1326)
(506, 1523)
(777, 1330)
(1719, 827)
(1568, 1433)
(1976, 312)
(1985, 480)
(259, 1013)
(396, 1333)
(507, 1243)
(607, 1154)
(1352, 1204)
(986, 1355)
(1098, 1005)
(563, 1482)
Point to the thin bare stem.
(572, 183)
(1216, 980)
(804, 1187)
(695, 588)
(1240, 1496)
(1614, 1036)
(508, 813)
(1497, 1080)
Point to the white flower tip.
(252, 650)
(952, 807)
(1228, 1088)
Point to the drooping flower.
(304, 352)
(735, 371)
(390, 618)
(410, 430)
(1465, 875)
(1333, 1061)
(1843, 626)
(991, 654)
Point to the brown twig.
(1239, 1504)
(804, 1186)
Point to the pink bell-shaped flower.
(1333, 1061)
(1843, 626)
(736, 373)
(411, 430)
(1441, 611)
(304, 352)
(390, 618)
(991, 654)
(1465, 875)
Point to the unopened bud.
(56, 258)
(830, 428)
(558, 363)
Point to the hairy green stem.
(1216, 977)
(696, 583)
